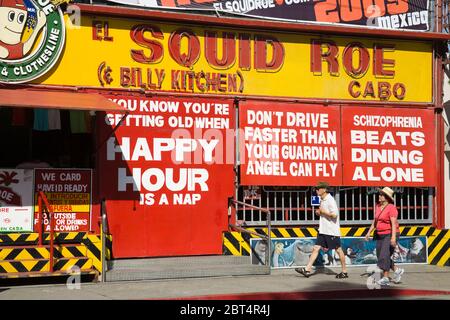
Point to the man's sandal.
(342, 275)
(303, 271)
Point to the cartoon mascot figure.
(13, 16)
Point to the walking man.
(329, 236)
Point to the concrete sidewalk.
(419, 281)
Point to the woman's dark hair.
(388, 199)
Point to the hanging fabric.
(54, 119)
(80, 122)
(40, 120)
(19, 117)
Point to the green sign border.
(55, 19)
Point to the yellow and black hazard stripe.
(18, 239)
(44, 274)
(73, 250)
(108, 246)
(23, 239)
(237, 243)
(29, 253)
(404, 231)
(70, 251)
(65, 237)
(7, 254)
(286, 232)
(417, 231)
(93, 245)
(24, 266)
(345, 231)
(72, 263)
(439, 248)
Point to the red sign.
(167, 174)
(388, 147)
(69, 194)
(289, 145)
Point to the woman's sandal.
(303, 271)
(342, 275)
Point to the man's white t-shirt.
(327, 225)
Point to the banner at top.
(171, 57)
(386, 14)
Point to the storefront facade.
(218, 108)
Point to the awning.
(22, 98)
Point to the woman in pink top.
(386, 234)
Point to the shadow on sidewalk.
(325, 288)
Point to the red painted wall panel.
(288, 144)
(388, 146)
(354, 146)
(167, 173)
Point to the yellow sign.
(132, 54)
(67, 202)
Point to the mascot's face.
(260, 247)
(279, 248)
(417, 244)
(12, 24)
(306, 247)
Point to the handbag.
(376, 236)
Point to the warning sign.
(288, 145)
(16, 200)
(69, 193)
